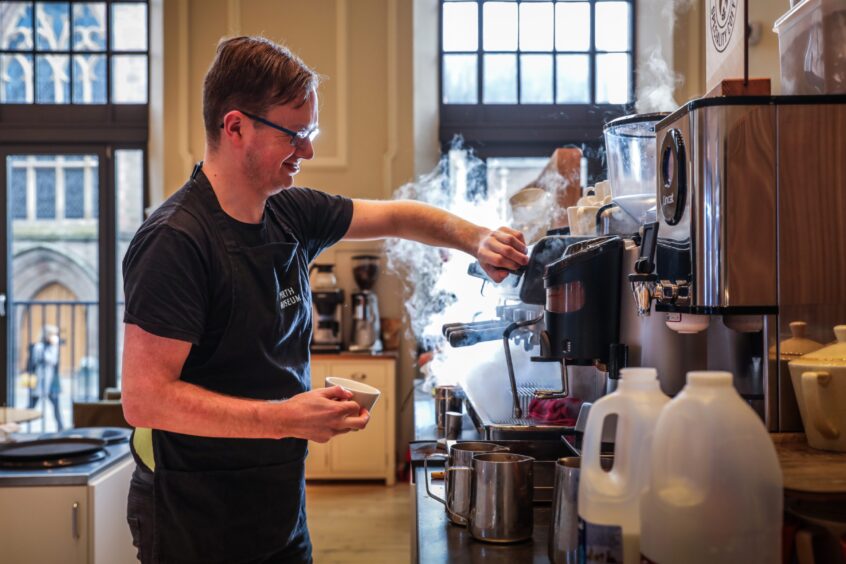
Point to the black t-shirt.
(177, 279)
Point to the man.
(218, 320)
(43, 363)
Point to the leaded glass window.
(73, 52)
(535, 52)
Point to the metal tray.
(51, 453)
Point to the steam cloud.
(657, 80)
(438, 289)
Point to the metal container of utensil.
(501, 500)
(458, 484)
(447, 398)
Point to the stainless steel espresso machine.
(747, 235)
(750, 236)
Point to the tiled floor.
(353, 523)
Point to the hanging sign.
(725, 39)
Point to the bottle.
(609, 514)
(715, 494)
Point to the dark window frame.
(528, 130)
(68, 128)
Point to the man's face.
(271, 160)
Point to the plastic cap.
(639, 374)
(710, 378)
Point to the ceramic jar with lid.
(797, 344)
(819, 380)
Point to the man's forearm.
(433, 226)
(181, 407)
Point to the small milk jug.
(715, 494)
(609, 515)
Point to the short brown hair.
(252, 73)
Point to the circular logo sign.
(722, 17)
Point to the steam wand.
(506, 336)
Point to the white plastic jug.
(715, 494)
(609, 516)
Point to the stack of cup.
(447, 398)
(582, 216)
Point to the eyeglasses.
(298, 138)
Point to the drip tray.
(512, 428)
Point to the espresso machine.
(573, 344)
(365, 306)
(749, 236)
(327, 301)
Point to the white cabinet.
(84, 524)
(362, 454)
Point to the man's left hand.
(501, 252)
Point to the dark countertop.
(78, 475)
(439, 541)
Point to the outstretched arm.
(498, 251)
(154, 396)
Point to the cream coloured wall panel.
(207, 24)
(311, 30)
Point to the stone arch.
(40, 268)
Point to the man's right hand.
(321, 414)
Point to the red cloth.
(558, 411)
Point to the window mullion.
(60, 165)
(554, 54)
(517, 54)
(632, 39)
(108, 30)
(71, 99)
(34, 52)
(592, 65)
(480, 68)
(107, 265)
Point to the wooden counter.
(347, 355)
(810, 473)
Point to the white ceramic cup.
(363, 395)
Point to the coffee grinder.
(327, 302)
(365, 306)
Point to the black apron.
(242, 500)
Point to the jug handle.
(426, 472)
(812, 385)
(450, 470)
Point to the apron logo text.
(288, 297)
